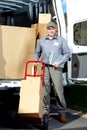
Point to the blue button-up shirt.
(52, 50)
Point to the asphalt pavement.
(8, 109)
(76, 121)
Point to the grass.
(76, 97)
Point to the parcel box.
(44, 18)
(31, 98)
(17, 45)
(41, 30)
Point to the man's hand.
(56, 64)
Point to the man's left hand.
(56, 64)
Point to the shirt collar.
(54, 37)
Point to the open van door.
(60, 19)
(77, 40)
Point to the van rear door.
(77, 39)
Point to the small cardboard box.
(41, 29)
(44, 18)
(31, 97)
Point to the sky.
(64, 5)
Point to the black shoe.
(45, 121)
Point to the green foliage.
(76, 97)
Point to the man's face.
(51, 31)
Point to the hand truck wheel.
(45, 122)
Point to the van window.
(80, 33)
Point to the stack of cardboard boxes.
(31, 92)
(41, 26)
(17, 45)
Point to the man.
(54, 52)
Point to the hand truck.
(43, 121)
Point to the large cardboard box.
(17, 45)
(31, 98)
(36, 26)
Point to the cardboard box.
(20, 71)
(44, 18)
(17, 45)
(36, 26)
(31, 97)
(41, 30)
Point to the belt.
(48, 65)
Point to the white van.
(20, 13)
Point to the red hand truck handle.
(35, 69)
